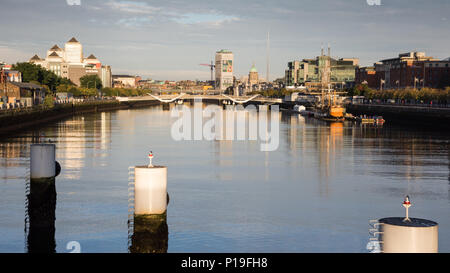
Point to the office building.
(308, 71)
(224, 69)
(125, 81)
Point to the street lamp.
(415, 81)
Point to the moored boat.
(370, 119)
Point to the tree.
(109, 92)
(91, 81)
(62, 88)
(48, 102)
(88, 92)
(36, 73)
(75, 91)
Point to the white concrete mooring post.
(408, 235)
(150, 189)
(150, 230)
(42, 162)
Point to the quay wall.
(438, 118)
(21, 119)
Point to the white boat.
(299, 108)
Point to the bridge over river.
(220, 99)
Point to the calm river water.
(315, 193)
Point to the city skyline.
(165, 40)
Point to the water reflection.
(150, 234)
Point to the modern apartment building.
(69, 63)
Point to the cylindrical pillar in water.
(42, 161)
(150, 234)
(414, 236)
(41, 214)
(42, 198)
(150, 190)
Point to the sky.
(167, 40)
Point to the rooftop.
(55, 47)
(73, 40)
(224, 51)
(123, 76)
(35, 58)
(26, 85)
(54, 54)
(91, 57)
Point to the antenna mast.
(268, 59)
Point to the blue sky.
(169, 39)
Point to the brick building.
(12, 92)
(412, 69)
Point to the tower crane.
(212, 66)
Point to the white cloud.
(211, 19)
(132, 7)
(134, 21)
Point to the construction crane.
(212, 71)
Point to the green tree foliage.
(408, 94)
(110, 92)
(48, 102)
(91, 81)
(107, 91)
(88, 92)
(62, 88)
(275, 93)
(124, 92)
(361, 90)
(36, 74)
(75, 91)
